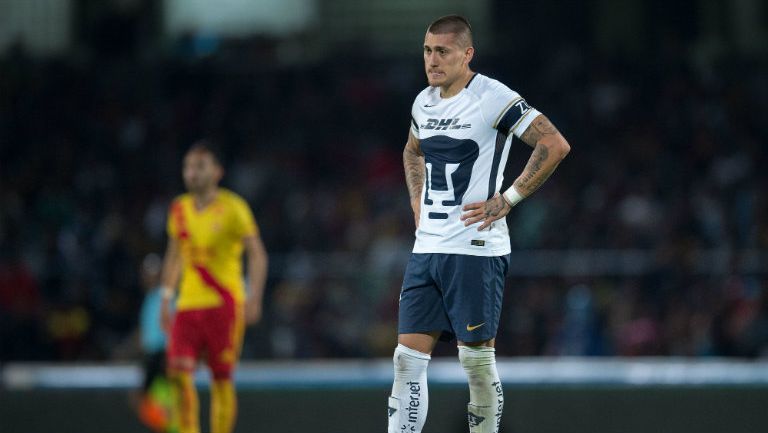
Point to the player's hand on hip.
(486, 212)
(253, 311)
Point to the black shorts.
(455, 294)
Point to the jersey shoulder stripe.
(177, 223)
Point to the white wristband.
(167, 292)
(512, 197)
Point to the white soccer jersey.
(465, 140)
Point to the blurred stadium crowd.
(667, 156)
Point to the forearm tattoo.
(539, 166)
(533, 175)
(414, 173)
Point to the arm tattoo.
(533, 175)
(540, 127)
(414, 172)
(541, 164)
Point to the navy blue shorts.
(458, 295)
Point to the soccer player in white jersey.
(461, 129)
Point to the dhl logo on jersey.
(444, 124)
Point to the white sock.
(486, 398)
(409, 400)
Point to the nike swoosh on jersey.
(471, 328)
(427, 105)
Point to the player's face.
(445, 60)
(200, 172)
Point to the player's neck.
(454, 88)
(204, 198)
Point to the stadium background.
(650, 241)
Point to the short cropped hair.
(205, 146)
(455, 24)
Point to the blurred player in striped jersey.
(208, 229)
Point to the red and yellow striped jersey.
(211, 243)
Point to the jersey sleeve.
(245, 224)
(172, 224)
(414, 123)
(507, 110)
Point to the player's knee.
(405, 351)
(408, 360)
(180, 365)
(477, 358)
(222, 372)
(483, 343)
(423, 343)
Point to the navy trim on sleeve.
(513, 115)
(501, 138)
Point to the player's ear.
(469, 52)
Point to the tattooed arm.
(549, 148)
(413, 162)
